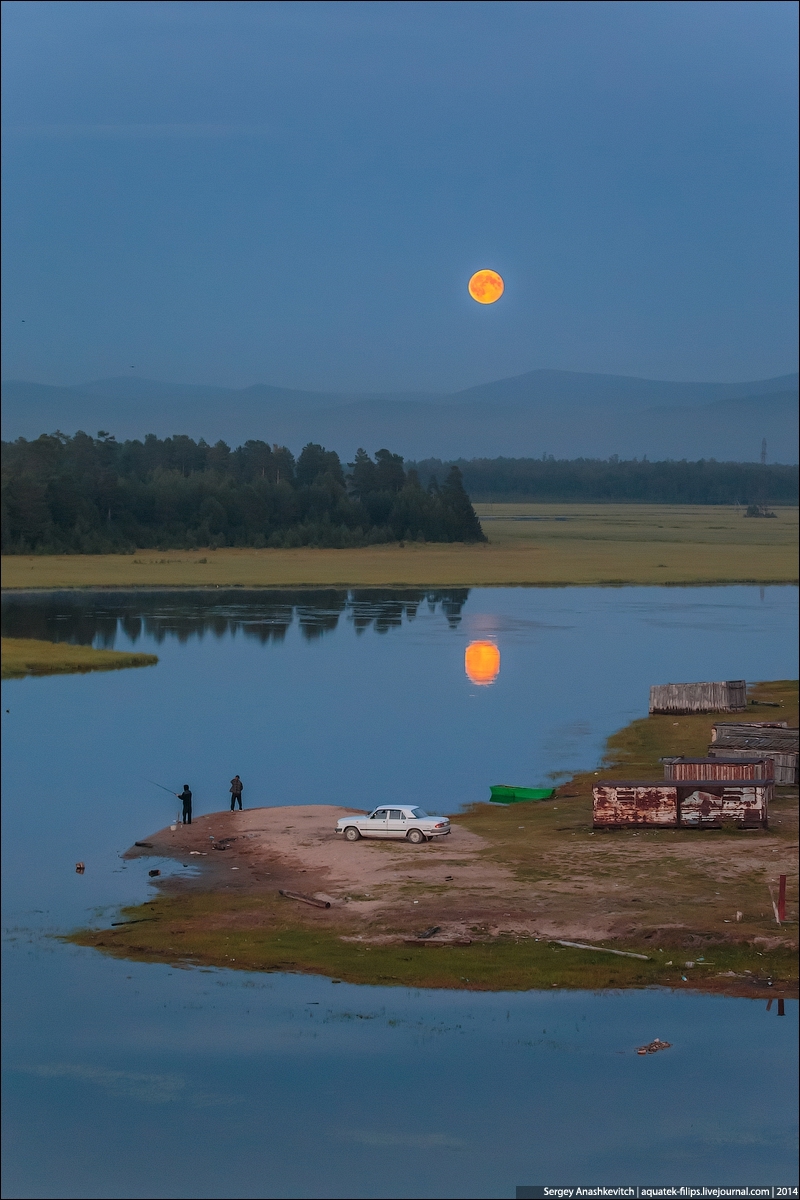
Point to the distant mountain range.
(564, 413)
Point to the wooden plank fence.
(728, 696)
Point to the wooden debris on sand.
(304, 899)
(465, 941)
(602, 949)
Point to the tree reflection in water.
(99, 618)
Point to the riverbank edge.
(344, 585)
(201, 925)
(504, 964)
(24, 657)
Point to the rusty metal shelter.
(726, 769)
(681, 804)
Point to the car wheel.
(352, 834)
(416, 837)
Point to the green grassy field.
(565, 544)
(678, 886)
(27, 656)
(673, 895)
(200, 930)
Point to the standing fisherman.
(186, 797)
(236, 792)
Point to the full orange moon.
(486, 287)
(482, 662)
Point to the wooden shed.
(687, 804)
(729, 696)
(724, 727)
(764, 739)
(726, 769)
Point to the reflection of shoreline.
(264, 615)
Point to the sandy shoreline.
(392, 883)
(392, 889)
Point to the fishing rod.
(164, 789)
(177, 795)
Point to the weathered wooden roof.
(713, 759)
(746, 737)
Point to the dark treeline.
(593, 480)
(85, 495)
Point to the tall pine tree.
(461, 518)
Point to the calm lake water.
(138, 1080)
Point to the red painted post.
(782, 898)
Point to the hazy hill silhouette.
(564, 413)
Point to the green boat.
(505, 794)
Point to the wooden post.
(782, 898)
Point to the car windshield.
(419, 813)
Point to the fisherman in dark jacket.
(186, 797)
(236, 792)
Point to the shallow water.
(141, 1080)
(138, 1080)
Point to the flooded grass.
(28, 656)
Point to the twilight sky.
(297, 193)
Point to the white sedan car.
(413, 824)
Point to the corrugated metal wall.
(699, 804)
(726, 769)
(634, 804)
(747, 740)
(743, 804)
(728, 696)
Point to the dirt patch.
(392, 883)
(526, 878)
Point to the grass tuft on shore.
(28, 656)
